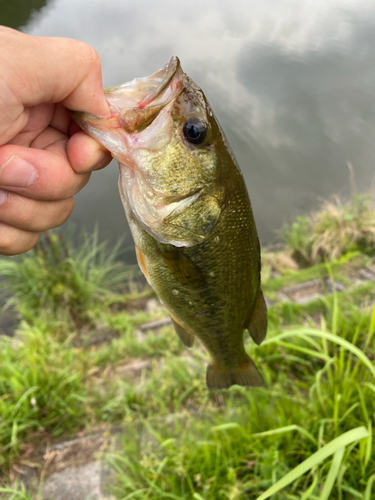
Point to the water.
(292, 83)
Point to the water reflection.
(291, 82)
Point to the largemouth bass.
(190, 215)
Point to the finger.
(14, 241)
(38, 173)
(61, 119)
(32, 215)
(85, 154)
(39, 117)
(49, 69)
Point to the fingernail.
(3, 196)
(17, 172)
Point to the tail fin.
(222, 378)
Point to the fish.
(190, 215)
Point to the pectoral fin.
(185, 336)
(141, 262)
(258, 324)
(181, 266)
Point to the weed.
(63, 278)
(308, 434)
(41, 390)
(336, 229)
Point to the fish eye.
(195, 130)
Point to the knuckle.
(30, 242)
(46, 215)
(32, 215)
(14, 241)
(81, 181)
(90, 54)
(66, 212)
(7, 241)
(68, 186)
(27, 216)
(59, 214)
(58, 191)
(93, 56)
(52, 215)
(26, 211)
(62, 188)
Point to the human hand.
(44, 156)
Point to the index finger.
(48, 69)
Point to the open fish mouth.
(140, 113)
(154, 84)
(134, 105)
(138, 102)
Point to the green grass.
(334, 230)
(310, 428)
(65, 278)
(340, 267)
(193, 443)
(308, 434)
(41, 389)
(14, 494)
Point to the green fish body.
(190, 216)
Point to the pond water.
(292, 83)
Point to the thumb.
(45, 69)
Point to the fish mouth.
(134, 105)
(138, 102)
(166, 73)
(140, 113)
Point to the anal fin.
(258, 323)
(185, 336)
(245, 374)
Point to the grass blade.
(307, 494)
(332, 474)
(226, 427)
(327, 336)
(288, 428)
(369, 488)
(316, 458)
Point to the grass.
(336, 229)
(66, 279)
(308, 434)
(233, 444)
(15, 494)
